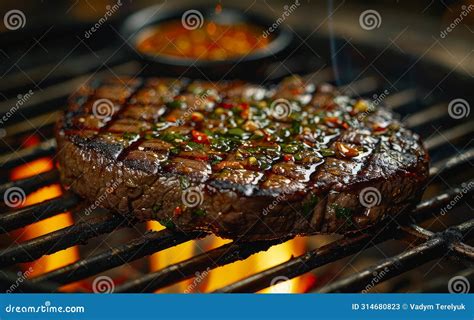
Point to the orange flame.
(170, 256)
(61, 258)
(275, 255)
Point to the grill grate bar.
(401, 98)
(445, 166)
(9, 283)
(408, 260)
(149, 243)
(427, 115)
(316, 258)
(360, 87)
(449, 135)
(390, 267)
(82, 232)
(67, 69)
(33, 183)
(60, 92)
(45, 148)
(61, 239)
(297, 266)
(417, 234)
(464, 251)
(27, 215)
(30, 126)
(186, 269)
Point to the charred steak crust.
(237, 159)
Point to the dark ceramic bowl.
(250, 67)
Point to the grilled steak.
(237, 159)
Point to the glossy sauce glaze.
(238, 129)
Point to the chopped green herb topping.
(295, 127)
(173, 137)
(290, 147)
(309, 206)
(326, 152)
(342, 213)
(193, 146)
(200, 212)
(175, 104)
(223, 144)
(183, 182)
(130, 135)
(236, 132)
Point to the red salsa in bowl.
(213, 41)
(224, 44)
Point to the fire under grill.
(370, 74)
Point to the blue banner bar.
(236, 306)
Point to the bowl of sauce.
(213, 43)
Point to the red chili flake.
(296, 91)
(332, 121)
(202, 157)
(345, 125)
(177, 211)
(197, 117)
(245, 114)
(288, 157)
(199, 137)
(378, 128)
(267, 137)
(226, 105)
(336, 122)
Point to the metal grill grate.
(425, 245)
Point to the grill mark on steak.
(298, 174)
